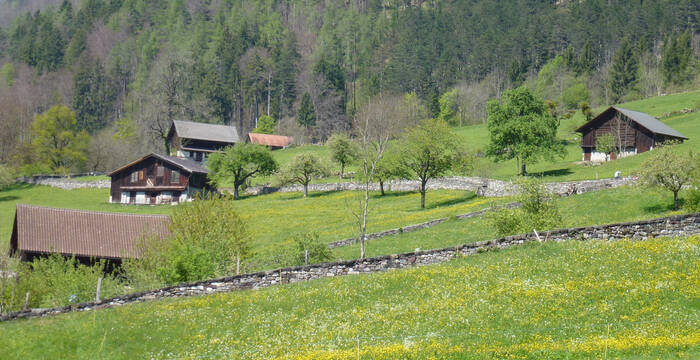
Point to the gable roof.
(204, 131)
(188, 165)
(82, 233)
(270, 140)
(643, 119)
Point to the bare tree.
(375, 125)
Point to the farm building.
(39, 231)
(274, 142)
(157, 179)
(634, 132)
(195, 141)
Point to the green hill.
(574, 300)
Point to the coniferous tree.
(677, 58)
(623, 75)
(306, 115)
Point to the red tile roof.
(270, 140)
(82, 233)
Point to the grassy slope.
(574, 300)
(622, 204)
(477, 138)
(272, 218)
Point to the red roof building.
(274, 142)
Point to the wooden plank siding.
(148, 179)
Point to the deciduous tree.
(302, 169)
(521, 128)
(668, 169)
(239, 163)
(58, 141)
(343, 150)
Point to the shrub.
(6, 177)
(538, 211)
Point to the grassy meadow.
(573, 300)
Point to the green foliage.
(548, 74)
(93, 96)
(208, 239)
(343, 150)
(8, 73)
(624, 71)
(306, 116)
(668, 169)
(302, 169)
(6, 176)
(58, 141)
(429, 150)
(677, 60)
(606, 143)
(239, 163)
(520, 127)
(538, 211)
(575, 95)
(57, 281)
(318, 251)
(449, 108)
(266, 125)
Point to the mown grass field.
(573, 300)
(273, 219)
(623, 204)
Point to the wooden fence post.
(26, 301)
(306, 257)
(99, 288)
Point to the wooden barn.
(157, 179)
(635, 132)
(195, 141)
(87, 235)
(274, 142)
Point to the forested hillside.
(129, 67)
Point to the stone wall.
(680, 225)
(65, 182)
(481, 186)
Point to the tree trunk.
(675, 200)
(522, 169)
(365, 208)
(342, 170)
(306, 189)
(422, 194)
(235, 192)
(381, 187)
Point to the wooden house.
(87, 235)
(195, 140)
(634, 132)
(157, 179)
(274, 142)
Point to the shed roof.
(270, 140)
(645, 120)
(204, 131)
(188, 165)
(82, 233)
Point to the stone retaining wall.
(65, 182)
(680, 225)
(481, 186)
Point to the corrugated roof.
(650, 122)
(645, 120)
(185, 164)
(83, 233)
(209, 132)
(270, 140)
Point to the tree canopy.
(668, 169)
(302, 169)
(343, 150)
(58, 141)
(239, 163)
(520, 127)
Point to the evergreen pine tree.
(623, 75)
(306, 116)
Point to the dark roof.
(645, 120)
(203, 131)
(188, 165)
(82, 233)
(270, 140)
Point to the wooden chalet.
(87, 235)
(195, 140)
(274, 142)
(157, 179)
(636, 132)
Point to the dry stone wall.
(680, 225)
(65, 182)
(481, 186)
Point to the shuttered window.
(134, 177)
(160, 171)
(175, 177)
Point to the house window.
(160, 171)
(134, 177)
(175, 177)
